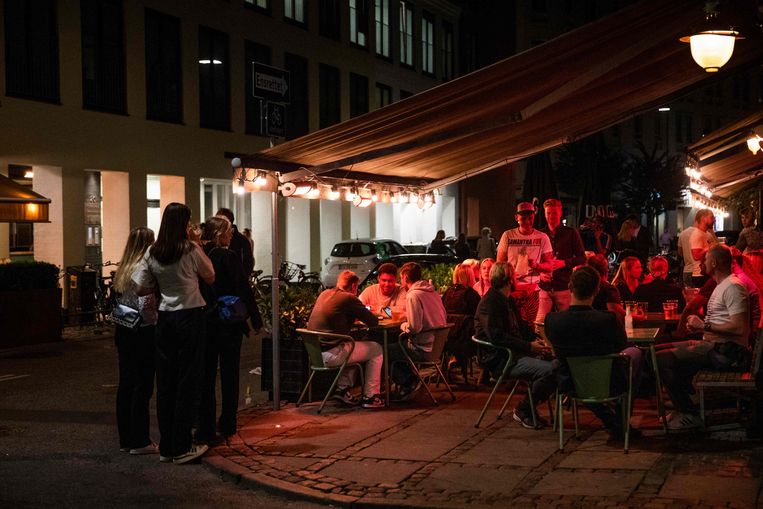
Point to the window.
(328, 84)
(358, 95)
(263, 5)
(359, 22)
(381, 21)
(328, 19)
(214, 87)
(427, 43)
(164, 92)
(297, 118)
(253, 52)
(103, 56)
(406, 34)
(31, 49)
(448, 64)
(294, 10)
(383, 95)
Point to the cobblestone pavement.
(417, 455)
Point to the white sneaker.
(196, 451)
(165, 459)
(151, 448)
(680, 421)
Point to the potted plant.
(296, 303)
(30, 303)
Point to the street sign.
(270, 83)
(276, 119)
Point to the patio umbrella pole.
(275, 291)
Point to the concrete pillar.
(115, 212)
(261, 235)
(330, 220)
(5, 252)
(49, 237)
(297, 219)
(360, 222)
(316, 262)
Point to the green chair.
(506, 368)
(314, 341)
(431, 360)
(592, 377)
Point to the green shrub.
(28, 276)
(296, 303)
(441, 275)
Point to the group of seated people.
(592, 324)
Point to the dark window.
(31, 49)
(260, 5)
(297, 117)
(404, 94)
(427, 43)
(294, 10)
(383, 95)
(406, 34)
(164, 90)
(359, 22)
(381, 21)
(448, 64)
(328, 18)
(103, 56)
(328, 84)
(253, 52)
(358, 95)
(214, 87)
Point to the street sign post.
(270, 83)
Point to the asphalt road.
(59, 445)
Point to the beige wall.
(49, 237)
(115, 213)
(172, 189)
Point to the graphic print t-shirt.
(521, 249)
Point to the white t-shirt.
(684, 247)
(178, 282)
(372, 296)
(520, 249)
(700, 240)
(728, 299)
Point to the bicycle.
(288, 273)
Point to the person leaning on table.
(336, 311)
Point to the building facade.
(120, 107)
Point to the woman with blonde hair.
(460, 301)
(135, 350)
(474, 265)
(223, 340)
(483, 283)
(627, 278)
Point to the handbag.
(126, 316)
(231, 309)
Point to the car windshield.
(351, 249)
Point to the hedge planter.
(295, 369)
(30, 316)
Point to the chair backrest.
(592, 376)
(438, 345)
(462, 330)
(313, 341)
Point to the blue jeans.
(540, 373)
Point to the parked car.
(423, 259)
(359, 256)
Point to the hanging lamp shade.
(712, 42)
(19, 204)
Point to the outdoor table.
(657, 319)
(645, 338)
(385, 326)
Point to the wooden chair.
(730, 381)
(314, 341)
(431, 360)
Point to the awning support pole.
(275, 294)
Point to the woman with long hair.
(223, 342)
(483, 283)
(135, 350)
(174, 265)
(460, 301)
(474, 265)
(627, 278)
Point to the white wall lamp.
(712, 43)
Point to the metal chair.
(506, 368)
(313, 341)
(431, 360)
(591, 377)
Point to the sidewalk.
(417, 455)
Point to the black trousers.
(179, 371)
(136, 352)
(224, 345)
